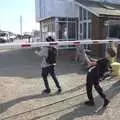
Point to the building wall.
(99, 32)
(98, 28)
(37, 9)
(55, 8)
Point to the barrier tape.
(56, 43)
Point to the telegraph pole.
(21, 25)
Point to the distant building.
(36, 36)
(57, 17)
(78, 20)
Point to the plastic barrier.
(115, 69)
(56, 43)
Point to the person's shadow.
(80, 109)
(4, 106)
(83, 110)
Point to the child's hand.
(91, 63)
(36, 52)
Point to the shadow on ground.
(4, 106)
(80, 109)
(83, 110)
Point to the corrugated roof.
(101, 8)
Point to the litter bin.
(115, 69)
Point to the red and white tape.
(56, 43)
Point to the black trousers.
(49, 70)
(93, 80)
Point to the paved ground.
(21, 86)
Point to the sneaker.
(59, 90)
(106, 102)
(89, 103)
(46, 91)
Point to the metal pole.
(67, 18)
(21, 25)
(41, 32)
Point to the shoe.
(46, 91)
(59, 90)
(106, 102)
(89, 103)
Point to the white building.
(56, 16)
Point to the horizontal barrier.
(56, 43)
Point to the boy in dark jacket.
(94, 74)
(48, 63)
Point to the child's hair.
(50, 39)
(111, 52)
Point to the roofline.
(42, 19)
(81, 5)
(110, 16)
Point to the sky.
(10, 11)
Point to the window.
(84, 30)
(62, 19)
(89, 30)
(84, 23)
(89, 16)
(84, 14)
(45, 28)
(81, 37)
(62, 30)
(71, 30)
(81, 27)
(71, 19)
(80, 13)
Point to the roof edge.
(85, 7)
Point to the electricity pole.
(21, 25)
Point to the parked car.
(2, 40)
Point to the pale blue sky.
(10, 11)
